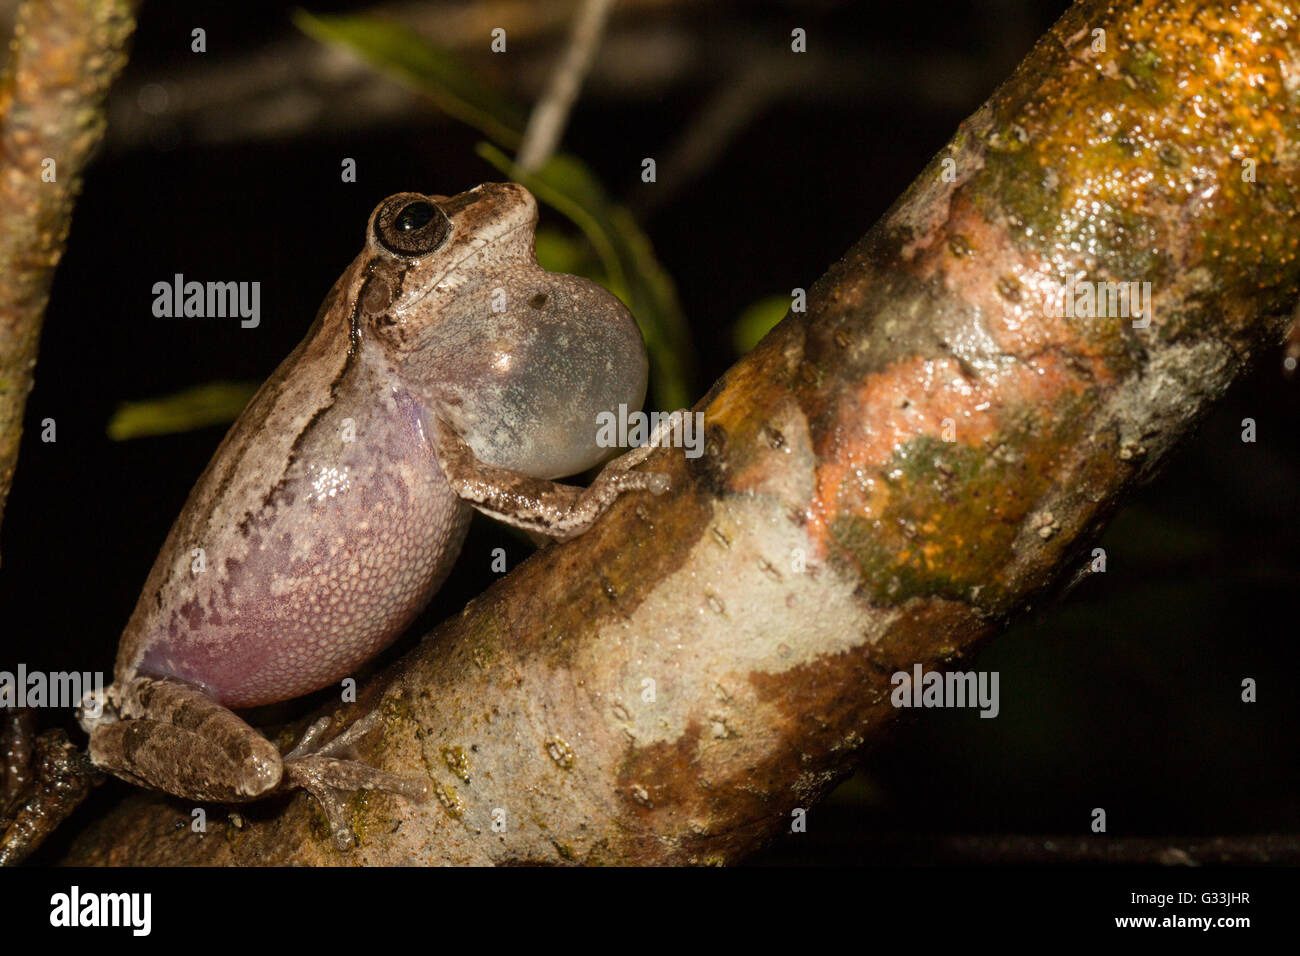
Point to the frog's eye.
(411, 226)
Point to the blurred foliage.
(560, 252)
(757, 320)
(197, 407)
(409, 58)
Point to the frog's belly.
(309, 596)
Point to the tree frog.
(446, 370)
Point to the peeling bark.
(826, 450)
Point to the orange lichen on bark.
(1121, 166)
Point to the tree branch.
(65, 53)
(831, 535)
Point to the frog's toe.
(304, 774)
(657, 482)
(316, 768)
(331, 780)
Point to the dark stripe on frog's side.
(354, 349)
(231, 464)
(199, 529)
(312, 331)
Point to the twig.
(714, 127)
(546, 125)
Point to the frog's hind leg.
(171, 736)
(319, 770)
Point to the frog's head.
(520, 361)
(435, 239)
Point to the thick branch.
(887, 478)
(65, 54)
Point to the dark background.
(1124, 696)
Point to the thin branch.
(713, 128)
(546, 125)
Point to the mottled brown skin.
(446, 370)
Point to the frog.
(445, 372)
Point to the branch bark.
(830, 536)
(65, 54)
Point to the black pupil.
(414, 216)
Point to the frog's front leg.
(535, 504)
(171, 736)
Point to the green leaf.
(757, 320)
(415, 62)
(197, 407)
(560, 252)
(632, 271)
